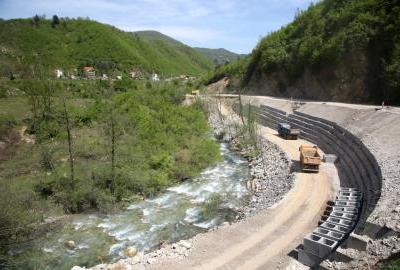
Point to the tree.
(36, 20)
(55, 21)
(70, 151)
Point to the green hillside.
(157, 36)
(74, 43)
(336, 50)
(219, 56)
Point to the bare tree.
(69, 137)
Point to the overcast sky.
(236, 25)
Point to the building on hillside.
(89, 72)
(59, 73)
(119, 77)
(155, 77)
(104, 77)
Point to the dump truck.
(309, 158)
(287, 132)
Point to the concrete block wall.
(356, 165)
(334, 228)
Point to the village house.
(89, 72)
(59, 73)
(155, 77)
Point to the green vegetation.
(328, 34)
(70, 44)
(220, 56)
(392, 265)
(212, 206)
(94, 145)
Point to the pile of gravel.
(270, 177)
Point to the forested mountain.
(342, 50)
(72, 43)
(219, 56)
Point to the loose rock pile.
(270, 177)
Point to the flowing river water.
(181, 212)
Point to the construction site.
(342, 210)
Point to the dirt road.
(264, 241)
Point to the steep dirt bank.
(348, 81)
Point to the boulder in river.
(70, 244)
(131, 251)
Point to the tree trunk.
(71, 158)
(112, 147)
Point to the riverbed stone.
(185, 244)
(70, 244)
(131, 251)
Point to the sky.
(235, 25)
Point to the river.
(181, 212)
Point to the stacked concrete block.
(338, 221)
(335, 228)
(348, 204)
(330, 234)
(319, 245)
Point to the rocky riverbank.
(269, 180)
(270, 177)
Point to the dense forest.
(69, 44)
(343, 50)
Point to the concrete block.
(308, 259)
(344, 215)
(335, 227)
(347, 204)
(338, 237)
(342, 222)
(348, 198)
(330, 158)
(353, 210)
(350, 193)
(319, 245)
(348, 189)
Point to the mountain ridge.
(74, 43)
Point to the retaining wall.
(356, 165)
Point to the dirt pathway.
(264, 241)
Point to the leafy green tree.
(36, 20)
(55, 21)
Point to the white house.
(59, 73)
(155, 77)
